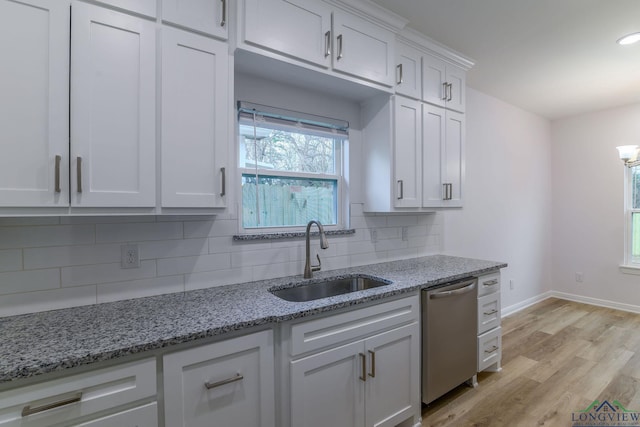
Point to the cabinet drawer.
(332, 330)
(221, 384)
(142, 416)
(488, 312)
(489, 348)
(78, 395)
(488, 284)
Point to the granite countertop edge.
(44, 342)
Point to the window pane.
(635, 187)
(287, 201)
(635, 237)
(286, 150)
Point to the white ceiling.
(555, 58)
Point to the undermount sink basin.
(327, 288)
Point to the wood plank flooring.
(558, 357)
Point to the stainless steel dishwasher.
(449, 337)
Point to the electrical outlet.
(512, 285)
(405, 234)
(374, 236)
(579, 277)
(129, 256)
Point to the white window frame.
(629, 266)
(341, 149)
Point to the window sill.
(290, 235)
(630, 269)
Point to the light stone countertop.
(49, 341)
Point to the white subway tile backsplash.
(30, 302)
(64, 256)
(192, 264)
(10, 260)
(30, 280)
(49, 263)
(47, 235)
(106, 233)
(139, 288)
(106, 273)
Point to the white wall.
(588, 205)
(507, 199)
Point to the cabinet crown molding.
(426, 44)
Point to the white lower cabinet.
(372, 380)
(489, 330)
(227, 383)
(83, 399)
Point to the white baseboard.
(506, 311)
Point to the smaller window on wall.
(291, 167)
(632, 196)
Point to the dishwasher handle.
(453, 292)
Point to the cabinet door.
(207, 16)
(433, 139)
(407, 150)
(194, 119)
(454, 157)
(34, 83)
(434, 77)
(327, 389)
(143, 416)
(393, 377)
(408, 71)
(229, 383)
(457, 97)
(143, 7)
(363, 49)
(300, 29)
(112, 109)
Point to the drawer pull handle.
(79, 174)
(327, 44)
(400, 77)
(57, 175)
(494, 348)
(28, 410)
(223, 192)
(339, 47)
(489, 313)
(237, 377)
(490, 282)
(372, 374)
(363, 360)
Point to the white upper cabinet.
(195, 81)
(407, 149)
(443, 84)
(408, 71)
(299, 29)
(112, 109)
(142, 7)
(302, 31)
(363, 49)
(34, 83)
(207, 16)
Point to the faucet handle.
(317, 267)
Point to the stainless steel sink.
(327, 288)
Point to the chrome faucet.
(324, 244)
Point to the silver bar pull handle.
(223, 21)
(489, 313)
(233, 379)
(490, 282)
(450, 191)
(400, 189)
(339, 47)
(363, 360)
(224, 182)
(494, 348)
(444, 91)
(327, 44)
(400, 76)
(57, 175)
(28, 410)
(372, 374)
(79, 173)
(450, 97)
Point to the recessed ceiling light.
(629, 39)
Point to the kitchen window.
(291, 167)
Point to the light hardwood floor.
(558, 357)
